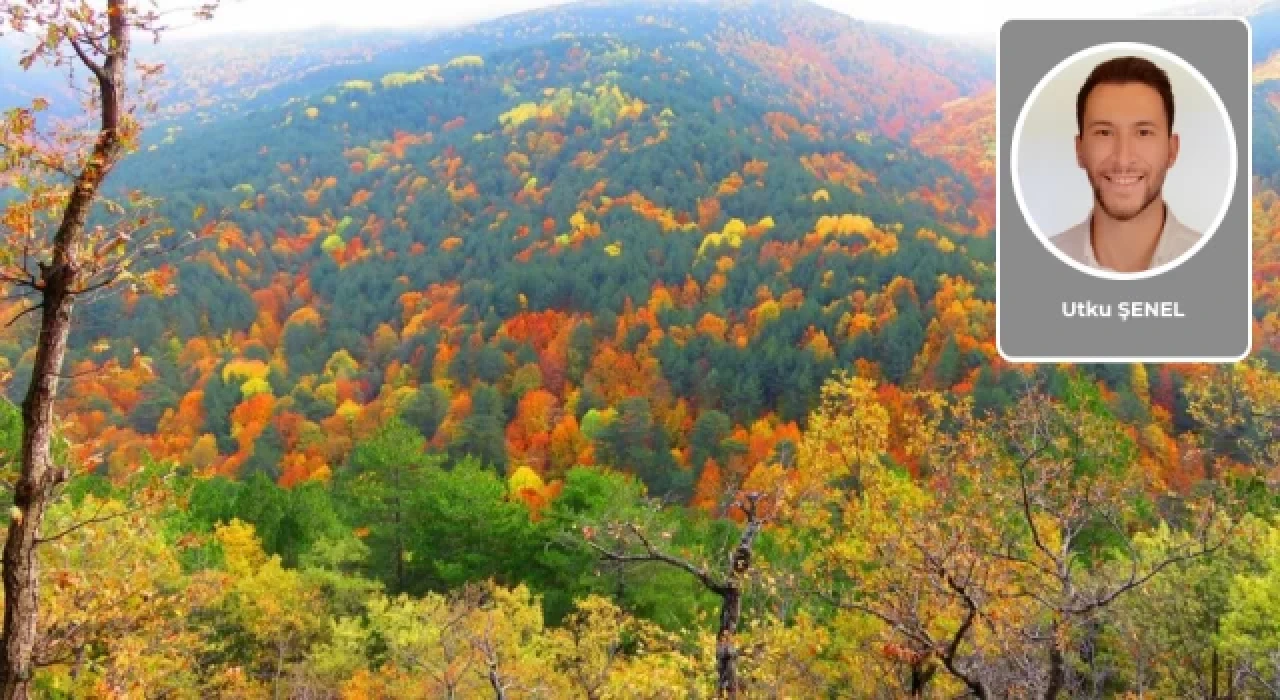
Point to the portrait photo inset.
(1123, 161)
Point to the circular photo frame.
(1054, 193)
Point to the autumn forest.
(636, 349)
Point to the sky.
(936, 16)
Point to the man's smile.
(1124, 183)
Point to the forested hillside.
(634, 349)
(586, 229)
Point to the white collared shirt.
(1175, 239)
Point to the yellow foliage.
(327, 392)
(113, 587)
(855, 223)
(400, 79)
(821, 196)
(349, 410)
(848, 432)
(767, 311)
(519, 114)
(333, 242)
(588, 640)
(463, 61)
(305, 314)
(255, 386)
(711, 239)
(735, 228)
(312, 112)
(241, 551)
(522, 478)
(244, 369)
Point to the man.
(1126, 144)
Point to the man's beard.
(1123, 215)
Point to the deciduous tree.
(51, 258)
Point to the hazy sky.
(939, 16)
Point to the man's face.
(1125, 147)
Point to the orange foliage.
(756, 168)
(708, 213)
(529, 433)
(712, 326)
(617, 375)
(565, 444)
(781, 124)
(709, 489)
(835, 168)
(250, 418)
(730, 185)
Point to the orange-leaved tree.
(50, 256)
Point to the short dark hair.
(1127, 69)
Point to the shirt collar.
(1171, 245)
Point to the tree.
(465, 528)
(426, 410)
(111, 616)
(1170, 639)
(711, 427)
(482, 433)
(50, 265)
(591, 651)
(1236, 410)
(1249, 628)
(630, 542)
(271, 606)
(1039, 533)
(384, 471)
(1000, 563)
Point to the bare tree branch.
(92, 520)
(653, 554)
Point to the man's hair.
(1127, 69)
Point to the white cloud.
(987, 16)
(938, 16)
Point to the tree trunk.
(1057, 671)
(31, 497)
(499, 692)
(60, 279)
(1213, 675)
(921, 674)
(726, 645)
(1231, 679)
(279, 669)
(727, 682)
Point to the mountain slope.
(649, 217)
